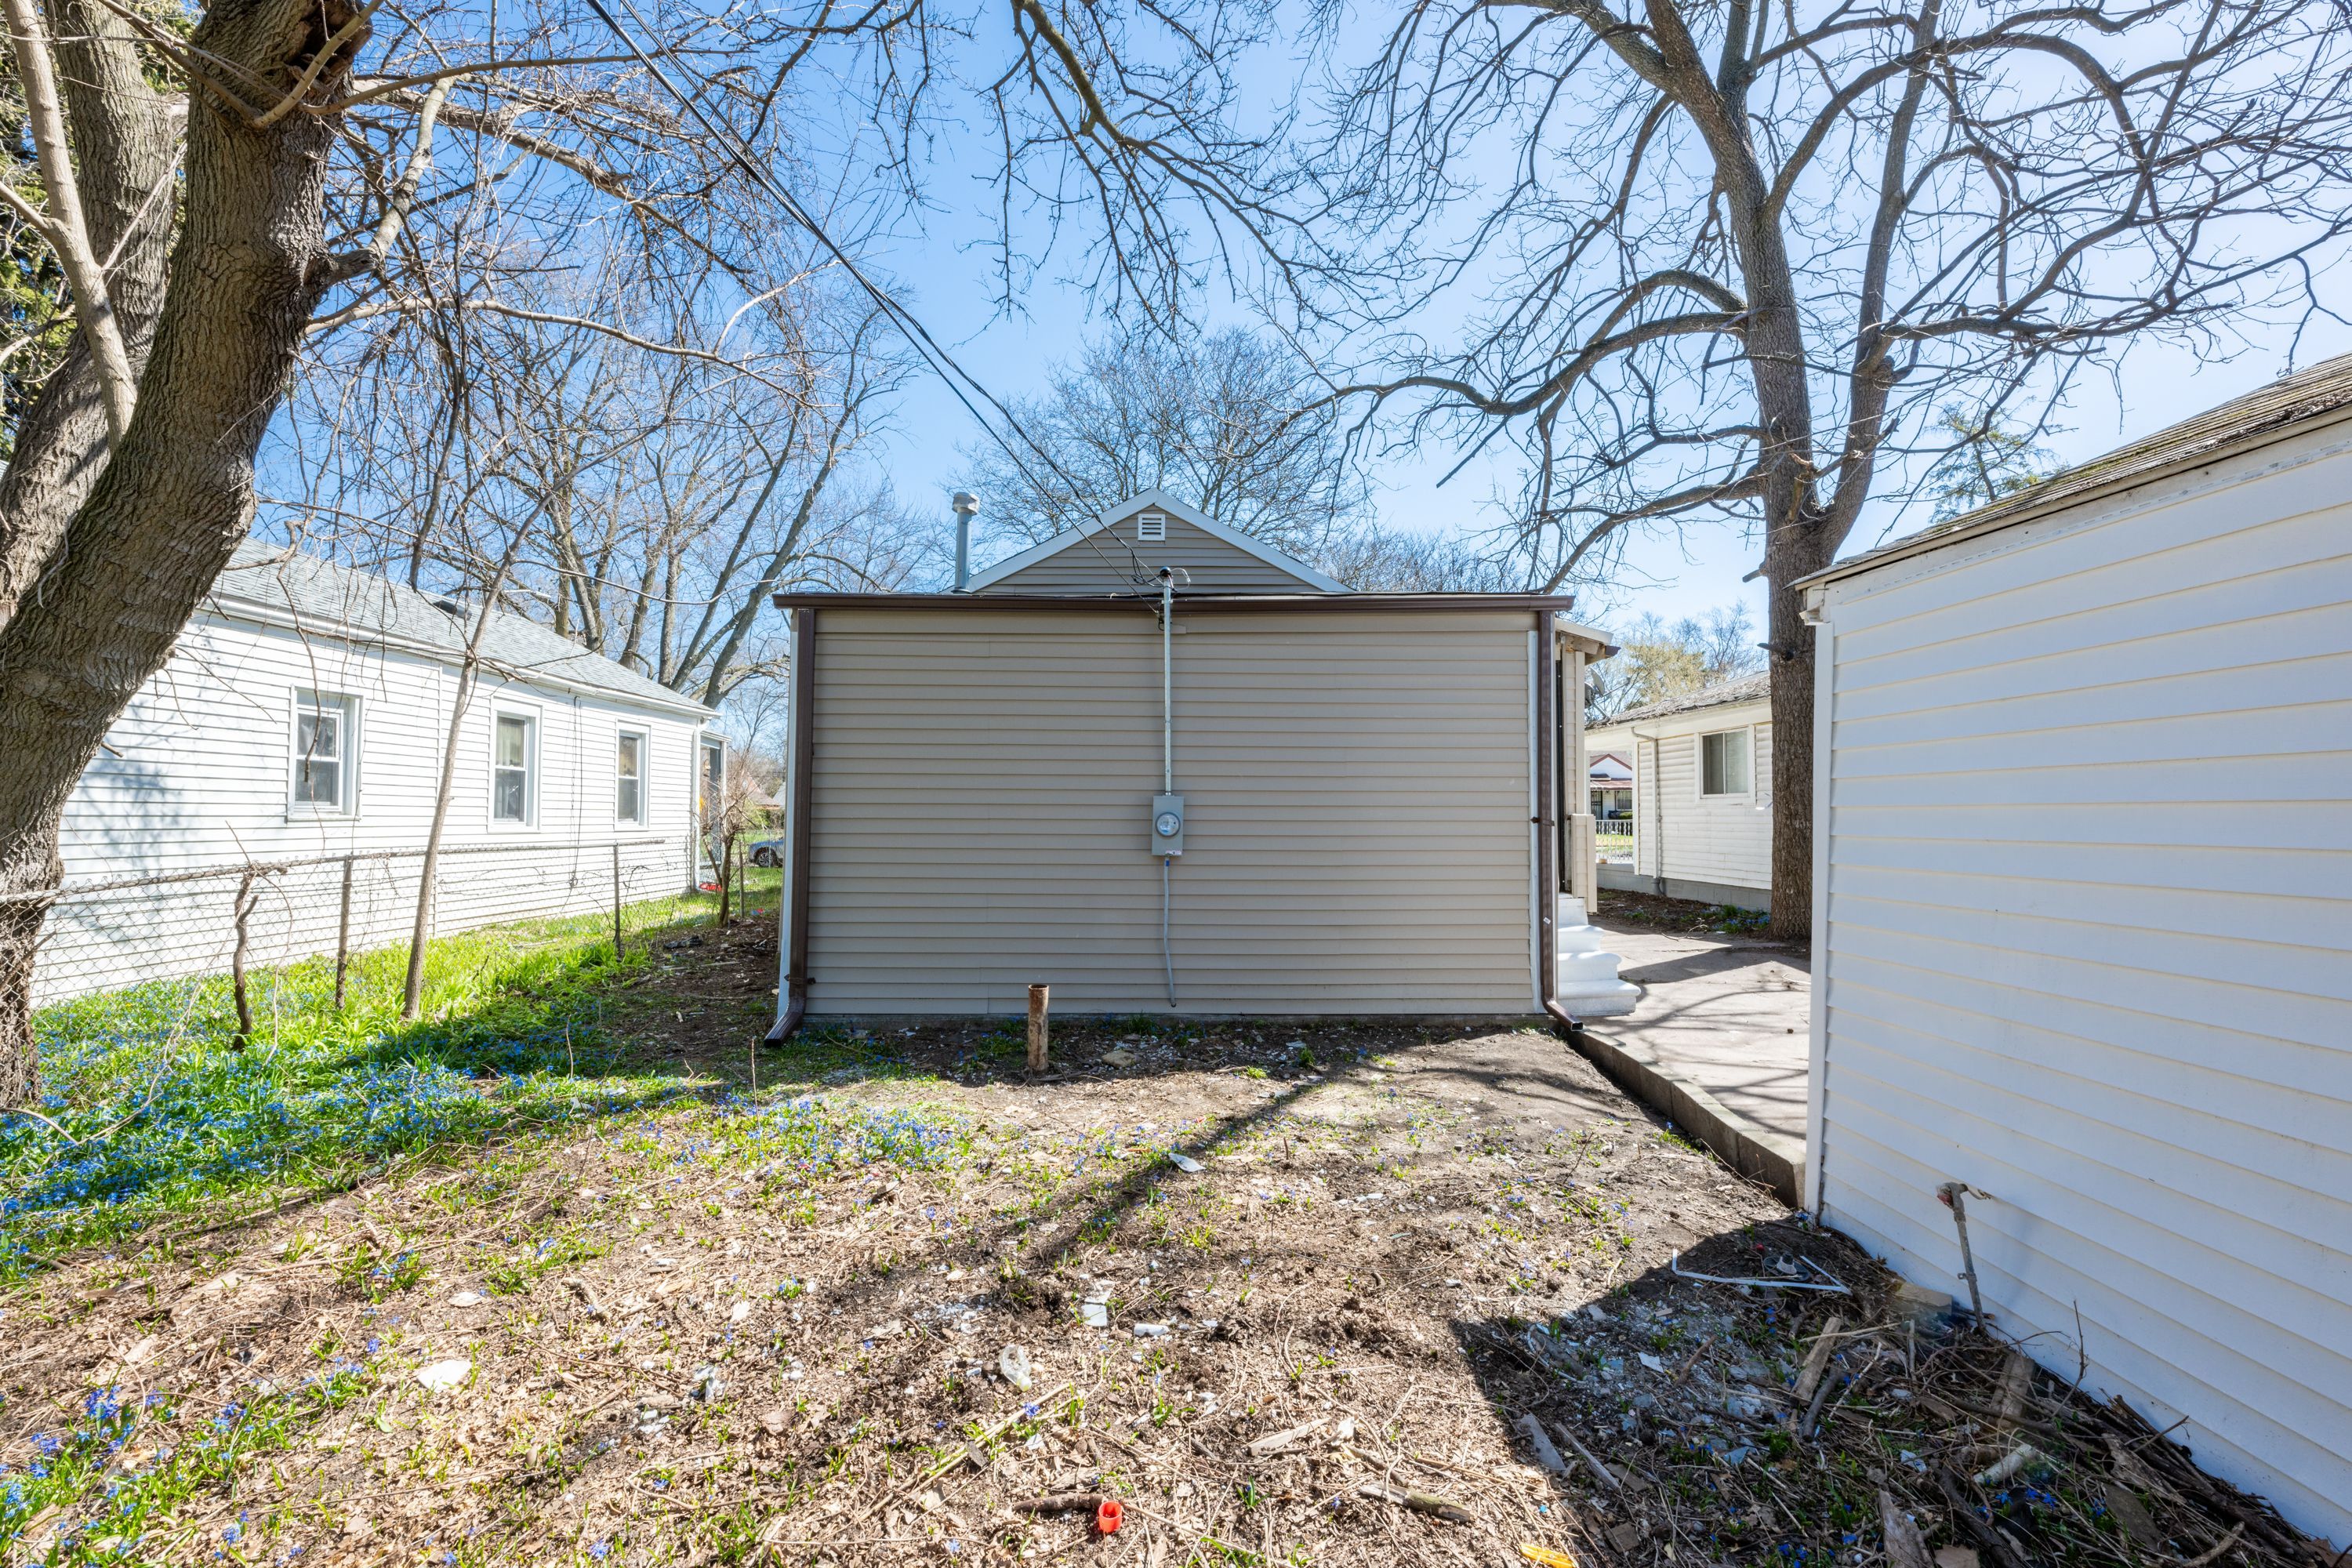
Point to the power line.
(942, 362)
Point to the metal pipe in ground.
(616, 903)
(1955, 1197)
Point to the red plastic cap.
(1108, 1515)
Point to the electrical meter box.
(1168, 825)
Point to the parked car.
(767, 852)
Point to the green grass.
(150, 1109)
(186, 1456)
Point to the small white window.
(514, 759)
(326, 759)
(1151, 526)
(1723, 762)
(629, 778)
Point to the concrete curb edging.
(1761, 1155)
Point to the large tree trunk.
(162, 518)
(1792, 657)
(121, 134)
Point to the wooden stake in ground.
(616, 903)
(343, 935)
(1037, 995)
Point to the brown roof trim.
(1326, 603)
(2290, 406)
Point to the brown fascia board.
(1239, 603)
(1560, 603)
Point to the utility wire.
(942, 362)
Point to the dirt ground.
(1348, 1294)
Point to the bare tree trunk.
(177, 495)
(122, 133)
(421, 930)
(67, 227)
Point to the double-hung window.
(1724, 762)
(514, 768)
(326, 753)
(629, 778)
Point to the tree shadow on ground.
(1686, 1429)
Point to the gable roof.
(282, 586)
(1746, 689)
(1161, 500)
(2268, 414)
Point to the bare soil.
(1284, 1293)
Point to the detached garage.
(2053, 965)
(1281, 798)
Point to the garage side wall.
(1357, 801)
(2088, 947)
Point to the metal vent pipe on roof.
(965, 503)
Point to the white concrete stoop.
(1587, 979)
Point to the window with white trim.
(1151, 526)
(326, 754)
(629, 777)
(514, 768)
(1723, 762)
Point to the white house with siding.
(2043, 966)
(1702, 795)
(300, 718)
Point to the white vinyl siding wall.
(1726, 840)
(2057, 964)
(1356, 792)
(197, 773)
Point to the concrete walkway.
(1718, 1043)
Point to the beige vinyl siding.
(2059, 965)
(1356, 788)
(1111, 560)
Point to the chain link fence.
(251, 916)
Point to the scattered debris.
(1185, 1162)
(1013, 1365)
(2016, 1461)
(1546, 1456)
(1419, 1503)
(1275, 1442)
(443, 1375)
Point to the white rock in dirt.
(738, 1311)
(1184, 1162)
(465, 1299)
(443, 1375)
(1013, 1365)
(1652, 1362)
(1150, 1330)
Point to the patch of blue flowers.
(160, 1112)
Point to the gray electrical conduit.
(1168, 575)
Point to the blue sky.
(940, 259)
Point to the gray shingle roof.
(2324, 389)
(326, 598)
(1746, 689)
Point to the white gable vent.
(1151, 526)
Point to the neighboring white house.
(301, 715)
(1702, 795)
(1611, 778)
(2044, 967)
